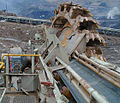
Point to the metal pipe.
(91, 91)
(19, 74)
(113, 73)
(96, 71)
(81, 90)
(31, 55)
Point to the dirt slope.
(13, 34)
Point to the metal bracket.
(60, 51)
(50, 54)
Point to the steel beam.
(52, 52)
(7, 70)
(1, 98)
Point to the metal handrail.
(31, 55)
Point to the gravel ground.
(14, 34)
(112, 50)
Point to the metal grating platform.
(19, 99)
(6, 99)
(24, 99)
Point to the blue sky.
(16, 5)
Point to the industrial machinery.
(70, 64)
(76, 29)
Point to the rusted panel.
(73, 23)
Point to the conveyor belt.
(73, 90)
(111, 92)
(105, 88)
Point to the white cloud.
(52, 0)
(113, 12)
(58, 1)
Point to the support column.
(33, 64)
(7, 70)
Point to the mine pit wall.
(109, 31)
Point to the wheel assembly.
(76, 29)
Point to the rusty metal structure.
(76, 29)
(70, 64)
